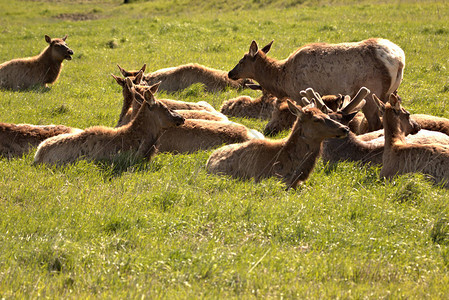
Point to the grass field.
(167, 229)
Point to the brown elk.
(344, 109)
(188, 110)
(23, 73)
(138, 137)
(196, 135)
(400, 157)
(377, 64)
(181, 77)
(291, 159)
(247, 107)
(18, 139)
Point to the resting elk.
(400, 157)
(291, 159)
(24, 73)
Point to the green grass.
(167, 229)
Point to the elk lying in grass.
(400, 157)
(23, 73)
(369, 147)
(344, 108)
(181, 77)
(432, 123)
(291, 159)
(377, 64)
(188, 110)
(196, 135)
(247, 107)
(18, 139)
(138, 137)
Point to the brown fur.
(200, 110)
(291, 159)
(328, 68)
(196, 134)
(18, 139)
(282, 118)
(400, 157)
(202, 115)
(139, 137)
(247, 107)
(432, 123)
(181, 77)
(23, 73)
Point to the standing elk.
(375, 63)
(291, 159)
(23, 73)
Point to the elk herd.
(339, 102)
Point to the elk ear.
(267, 47)
(394, 101)
(138, 77)
(119, 80)
(143, 68)
(64, 38)
(121, 70)
(48, 39)
(379, 103)
(297, 111)
(149, 98)
(253, 49)
(154, 87)
(129, 82)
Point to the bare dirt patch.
(77, 16)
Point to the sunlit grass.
(166, 228)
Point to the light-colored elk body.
(196, 134)
(181, 77)
(400, 157)
(377, 64)
(432, 123)
(248, 107)
(17, 139)
(23, 73)
(138, 137)
(202, 115)
(291, 159)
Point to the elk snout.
(232, 75)
(345, 132)
(179, 120)
(69, 54)
(415, 127)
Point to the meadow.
(166, 228)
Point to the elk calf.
(23, 73)
(291, 159)
(138, 137)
